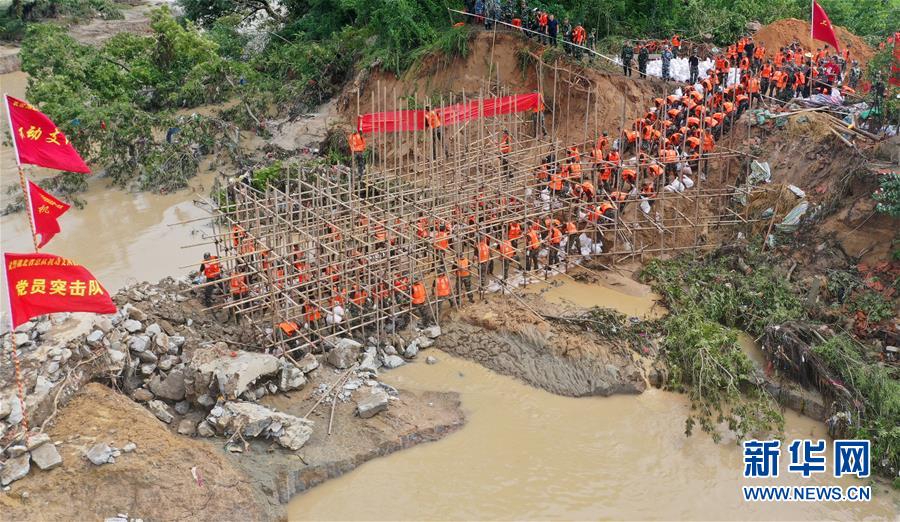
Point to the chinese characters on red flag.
(37, 141)
(822, 29)
(45, 209)
(39, 284)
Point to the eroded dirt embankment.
(505, 336)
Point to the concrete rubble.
(253, 420)
(159, 356)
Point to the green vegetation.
(725, 20)
(711, 296)
(708, 299)
(878, 398)
(116, 102)
(888, 195)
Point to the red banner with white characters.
(37, 140)
(398, 121)
(39, 284)
(45, 209)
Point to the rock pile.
(163, 353)
(22, 453)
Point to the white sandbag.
(645, 206)
(688, 182)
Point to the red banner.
(37, 141)
(398, 121)
(45, 209)
(39, 284)
(822, 29)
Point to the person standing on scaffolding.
(505, 149)
(358, 150)
(433, 122)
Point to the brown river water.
(523, 454)
(526, 454)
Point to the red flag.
(37, 141)
(45, 209)
(822, 29)
(40, 284)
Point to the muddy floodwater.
(527, 454)
(120, 236)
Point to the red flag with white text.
(39, 284)
(822, 29)
(45, 210)
(38, 141)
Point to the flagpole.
(28, 207)
(10, 342)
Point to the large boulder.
(161, 410)
(291, 378)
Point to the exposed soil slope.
(784, 32)
(154, 482)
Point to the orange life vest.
(484, 252)
(238, 285)
(432, 120)
(462, 269)
(313, 313)
(357, 142)
(506, 250)
(442, 286)
(211, 268)
(534, 241)
(515, 230)
(289, 327)
(418, 293)
(505, 144)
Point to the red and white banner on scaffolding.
(399, 121)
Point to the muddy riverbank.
(526, 454)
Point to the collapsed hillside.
(783, 33)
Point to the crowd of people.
(583, 190)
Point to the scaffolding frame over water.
(311, 244)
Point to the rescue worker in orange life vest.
(212, 270)
(357, 149)
(440, 287)
(505, 149)
(464, 277)
(288, 332)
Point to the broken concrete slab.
(230, 376)
(46, 456)
(372, 404)
(254, 420)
